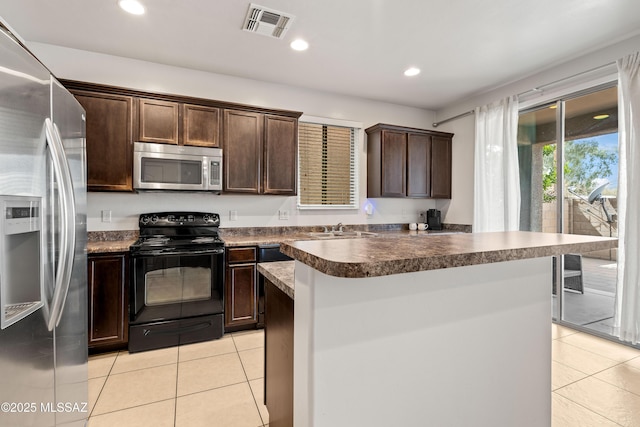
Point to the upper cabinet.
(408, 162)
(259, 153)
(201, 125)
(158, 121)
(259, 144)
(241, 152)
(109, 140)
(176, 123)
(441, 167)
(280, 162)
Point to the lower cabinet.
(241, 289)
(108, 283)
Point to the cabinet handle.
(191, 328)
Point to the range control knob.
(154, 219)
(171, 218)
(207, 218)
(144, 219)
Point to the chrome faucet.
(337, 227)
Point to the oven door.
(176, 285)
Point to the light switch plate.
(233, 215)
(106, 215)
(283, 214)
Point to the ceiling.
(357, 47)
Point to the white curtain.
(627, 310)
(497, 178)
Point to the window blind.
(327, 166)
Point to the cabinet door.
(242, 151)
(418, 165)
(108, 300)
(440, 168)
(241, 295)
(158, 121)
(394, 161)
(280, 155)
(201, 126)
(109, 140)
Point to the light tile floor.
(595, 382)
(216, 383)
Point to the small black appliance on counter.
(434, 220)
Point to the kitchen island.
(448, 330)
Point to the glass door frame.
(559, 101)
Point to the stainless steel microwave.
(176, 167)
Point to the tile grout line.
(103, 384)
(595, 378)
(587, 408)
(132, 407)
(175, 399)
(247, 377)
(618, 363)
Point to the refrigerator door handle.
(67, 232)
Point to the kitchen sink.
(342, 234)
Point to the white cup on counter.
(423, 226)
(413, 226)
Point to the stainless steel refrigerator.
(43, 279)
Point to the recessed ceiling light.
(413, 71)
(132, 6)
(299, 44)
(601, 116)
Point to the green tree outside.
(585, 162)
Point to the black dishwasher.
(267, 253)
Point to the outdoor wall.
(585, 219)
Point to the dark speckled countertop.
(119, 241)
(385, 255)
(281, 274)
(110, 241)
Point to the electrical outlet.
(422, 217)
(283, 215)
(233, 215)
(106, 215)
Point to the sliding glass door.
(568, 167)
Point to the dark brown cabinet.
(241, 289)
(259, 153)
(167, 122)
(278, 356)
(108, 301)
(243, 135)
(109, 140)
(408, 162)
(441, 167)
(418, 165)
(158, 121)
(280, 155)
(201, 125)
(259, 144)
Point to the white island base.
(466, 347)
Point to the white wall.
(252, 210)
(460, 208)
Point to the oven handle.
(191, 328)
(160, 252)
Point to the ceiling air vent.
(267, 21)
